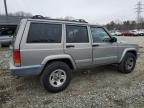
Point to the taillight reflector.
(16, 57)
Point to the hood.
(128, 44)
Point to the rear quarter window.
(44, 33)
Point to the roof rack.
(47, 18)
(38, 17)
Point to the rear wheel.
(56, 76)
(127, 65)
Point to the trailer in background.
(8, 25)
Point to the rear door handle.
(96, 45)
(70, 46)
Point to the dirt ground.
(99, 87)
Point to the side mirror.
(113, 39)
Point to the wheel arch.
(132, 50)
(64, 58)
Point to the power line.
(139, 10)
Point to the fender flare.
(56, 57)
(125, 51)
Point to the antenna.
(5, 4)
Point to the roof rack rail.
(38, 17)
(80, 20)
(42, 17)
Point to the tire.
(56, 76)
(128, 63)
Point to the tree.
(125, 25)
(20, 13)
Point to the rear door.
(78, 44)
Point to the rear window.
(44, 33)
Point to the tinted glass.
(76, 34)
(44, 33)
(99, 35)
(7, 31)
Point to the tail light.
(16, 57)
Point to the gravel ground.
(98, 87)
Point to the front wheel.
(127, 65)
(56, 76)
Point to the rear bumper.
(25, 70)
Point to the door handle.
(70, 46)
(96, 45)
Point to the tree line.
(125, 25)
(20, 14)
(113, 25)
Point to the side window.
(99, 35)
(76, 34)
(44, 33)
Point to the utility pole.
(139, 10)
(5, 5)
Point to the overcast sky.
(94, 11)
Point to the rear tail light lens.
(16, 57)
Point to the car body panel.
(25, 70)
(123, 48)
(105, 53)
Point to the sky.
(93, 11)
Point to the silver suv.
(53, 49)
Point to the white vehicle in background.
(115, 33)
(134, 32)
(137, 32)
(112, 33)
(141, 32)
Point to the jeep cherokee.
(54, 48)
